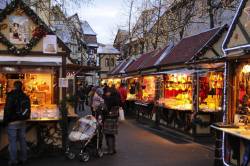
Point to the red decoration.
(38, 32)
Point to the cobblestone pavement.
(139, 147)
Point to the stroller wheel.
(84, 157)
(100, 153)
(70, 155)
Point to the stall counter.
(241, 132)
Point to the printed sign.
(50, 44)
(19, 29)
(63, 83)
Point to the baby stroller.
(88, 132)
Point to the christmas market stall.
(137, 85)
(32, 53)
(144, 82)
(178, 107)
(233, 134)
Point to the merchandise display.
(39, 87)
(210, 91)
(148, 88)
(243, 93)
(112, 81)
(177, 92)
(133, 87)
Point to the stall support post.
(64, 107)
(157, 117)
(218, 161)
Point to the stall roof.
(237, 40)
(138, 63)
(116, 68)
(152, 60)
(188, 47)
(120, 69)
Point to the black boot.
(113, 149)
(108, 143)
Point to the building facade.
(108, 58)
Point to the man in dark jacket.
(15, 123)
(110, 128)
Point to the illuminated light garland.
(225, 107)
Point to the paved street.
(139, 147)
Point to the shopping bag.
(121, 114)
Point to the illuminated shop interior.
(148, 88)
(133, 87)
(243, 90)
(210, 91)
(38, 86)
(177, 91)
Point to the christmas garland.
(40, 31)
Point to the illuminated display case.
(148, 88)
(243, 90)
(177, 92)
(210, 91)
(133, 87)
(38, 86)
(112, 81)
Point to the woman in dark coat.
(110, 125)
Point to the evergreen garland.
(41, 30)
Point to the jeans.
(16, 133)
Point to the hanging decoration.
(37, 34)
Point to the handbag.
(121, 114)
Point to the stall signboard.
(63, 82)
(50, 44)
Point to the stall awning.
(30, 60)
(180, 71)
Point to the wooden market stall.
(192, 93)
(143, 83)
(32, 53)
(233, 135)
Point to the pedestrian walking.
(16, 112)
(123, 94)
(81, 97)
(110, 121)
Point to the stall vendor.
(245, 102)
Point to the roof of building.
(107, 49)
(189, 47)
(87, 29)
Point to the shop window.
(243, 92)
(133, 87)
(38, 86)
(107, 62)
(148, 88)
(112, 62)
(177, 91)
(210, 91)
